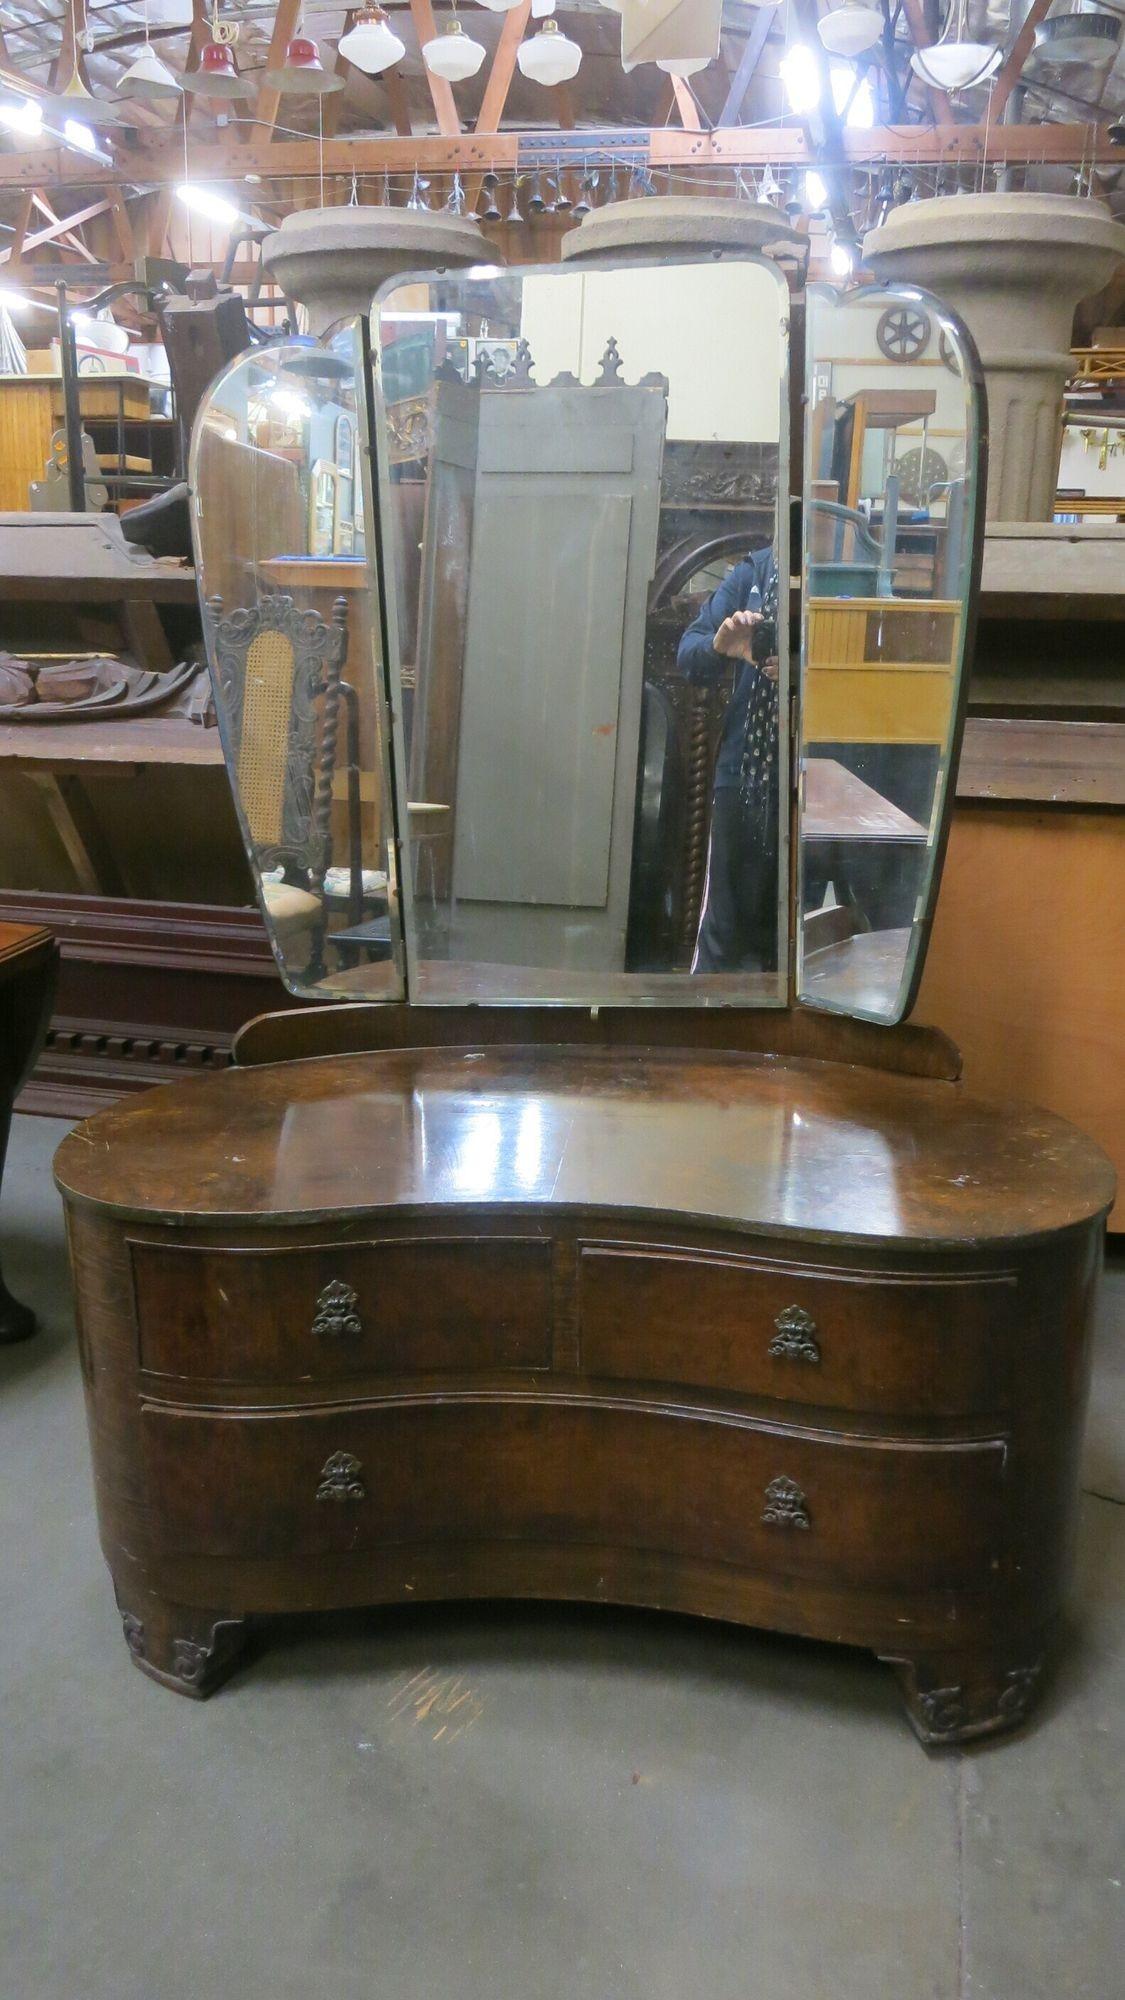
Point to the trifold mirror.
(497, 603)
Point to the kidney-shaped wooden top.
(810, 1149)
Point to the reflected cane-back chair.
(277, 674)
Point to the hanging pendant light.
(217, 75)
(549, 57)
(453, 55)
(954, 63)
(850, 29)
(1079, 37)
(371, 44)
(148, 78)
(682, 65)
(302, 74)
(499, 6)
(77, 102)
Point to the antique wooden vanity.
(554, 1264)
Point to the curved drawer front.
(853, 1341)
(897, 1515)
(322, 1312)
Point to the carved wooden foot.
(957, 1697)
(187, 1649)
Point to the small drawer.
(889, 1346)
(892, 1514)
(323, 1312)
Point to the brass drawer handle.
(795, 1338)
(340, 1478)
(786, 1505)
(336, 1315)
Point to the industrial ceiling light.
(816, 193)
(850, 29)
(953, 63)
(204, 201)
(20, 302)
(854, 101)
(1084, 38)
(800, 73)
(148, 78)
(453, 55)
(549, 57)
(682, 65)
(302, 74)
(217, 75)
(80, 136)
(371, 44)
(500, 6)
(24, 116)
(956, 65)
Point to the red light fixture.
(217, 75)
(303, 74)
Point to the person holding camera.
(738, 922)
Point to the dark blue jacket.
(743, 589)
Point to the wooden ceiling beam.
(1011, 69)
(284, 28)
(441, 91)
(686, 105)
(154, 162)
(751, 56)
(503, 68)
(58, 228)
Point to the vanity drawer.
(886, 1345)
(899, 1514)
(327, 1311)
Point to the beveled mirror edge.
(690, 994)
(302, 345)
(922, 921)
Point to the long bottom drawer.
(899, 1514)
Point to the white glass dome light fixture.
(849, 29)
(499, 6)
(453, 54)
(953, 63)
(682, 65)
(371, 44)
(549, 57)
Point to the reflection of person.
(738, 922)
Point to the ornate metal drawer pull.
(786, 1505)
(795, 1338)
(336, 1315)
(340, 1478)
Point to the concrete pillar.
(333, 260)
(1014, 267)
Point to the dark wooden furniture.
(29, 960)
(798, 1343)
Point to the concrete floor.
(547, 1805)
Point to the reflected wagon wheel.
(949, 354)
(903, 333)
(919, 474)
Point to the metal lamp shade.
(302, 74)
(216, 75)
(149, 78)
